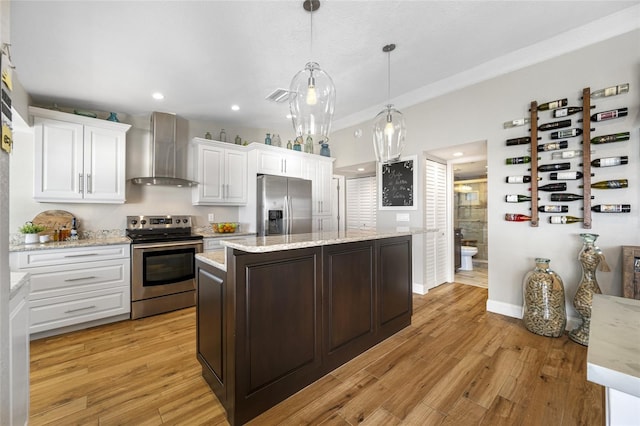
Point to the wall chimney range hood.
(165, 154)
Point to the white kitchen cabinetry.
(78, 159)
(320, 171)
(221, 173)
(277, 161)
(213, 244)
(19, 355)
(75, 286)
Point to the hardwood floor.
(478, 277)
(455, 365)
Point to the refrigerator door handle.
(290, 208)
(285, 221)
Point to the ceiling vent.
(278, 95)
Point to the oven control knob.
(133, 222)
(143, 222)
(185, 220)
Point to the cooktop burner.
(160, 229)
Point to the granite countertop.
(18, 280)
(216, 259)
(314, 239)
(208, 233)
(85, 242)
(613, 358)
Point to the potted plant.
(30, 232)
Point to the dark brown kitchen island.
(289, 309)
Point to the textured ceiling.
(207, 55)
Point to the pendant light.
(312, 95)
(388, 127)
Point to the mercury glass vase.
(544, 310)
(589, 258)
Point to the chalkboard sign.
(398, 184)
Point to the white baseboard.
(419, 288)
(515, 311)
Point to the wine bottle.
(513, 198)
(74, 227)
(610, 184)
(519, 141)
(564, 112)
(611, 91)
(561, 186)
(516, 217)
(567, 197)
(553, 146)
(555, 125)
(566, 154)
(520, 179)
(554, 208)
(565, 176)
(610, 161)
(554, 167)
(552, 105)
(610, 115)
(565, 133)
(612, 208)
(519, 160)
(516, 123)
(616, 137)
(564, 219)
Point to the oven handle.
(166, 244)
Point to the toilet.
(467, 253)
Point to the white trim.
(515, 311)
(610, 26)
(420, 289)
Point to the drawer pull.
(70, 311)
(80, 279)
(81, 255)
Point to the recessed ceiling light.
(289, 116)
(361, 169)
(458, 154)
(235, 107)
(158, 96)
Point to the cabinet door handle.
(70, 311)
(284, 162)
(79, 279)
(81, 255)
(88, 183)
(80, 183)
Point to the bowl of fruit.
(225, 227)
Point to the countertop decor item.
(53, 220)
(544, 311)
(30, 231)
(388, 127)
(590, 256)
(312, 94)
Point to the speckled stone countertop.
(613, 357)
(18, 280)
(85, 242)
(314, 239)
(216, 259)
(208, 233)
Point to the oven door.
(160, 269)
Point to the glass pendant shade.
(312, 97)
(388, 134)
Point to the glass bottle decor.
(296, 145)
(289, 146)
(113, 117)
(324, 150)
(223, 136)
(544, 310)
(589, 257)
(276, 141)
(208, 135)
(267, 140)
(238, 140)
(308, 145)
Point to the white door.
(436, 223)
(211, 174)
(236, 177)
(104, 163)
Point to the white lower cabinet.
(76, 285)
(19, 358)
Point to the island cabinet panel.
(394, 285)
(349, 293)
(210, 327)
(277, 323)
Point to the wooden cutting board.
(53, 219)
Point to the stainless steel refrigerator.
(284, 205)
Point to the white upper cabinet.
(277, 161)
(221, 173)
(320, 171)
(78, 159)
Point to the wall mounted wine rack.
(586, 151)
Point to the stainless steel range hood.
(165, 154)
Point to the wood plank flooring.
(455, 365)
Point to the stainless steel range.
(163, 253)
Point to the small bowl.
(225, 227)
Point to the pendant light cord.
(389, 77)
(311, 31)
